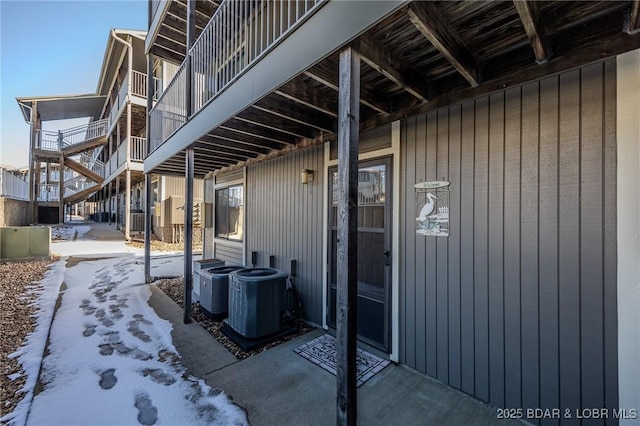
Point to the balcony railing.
(139, 85)
(138, 148)
(83, 133)
(121, 98)
(48, 192)
(11, 186)
(55, 141)
(92, 164)
(236, 37)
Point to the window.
(230, 213)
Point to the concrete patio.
(279, 387)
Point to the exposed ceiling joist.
(241, 132)
(250, 142)
(247, 127)
(214, 151)
(378, 57)
(300, 114)
(305, 95)
(426, 17)
(232, 146)
(530, 17)
(330, 80)
(279, 124)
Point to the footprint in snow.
(89, 329)
(108, 378)
(159, 376)
(147, 413)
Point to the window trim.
(222, 186)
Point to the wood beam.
(299, 114)
(347, 247)
(257, 131)
(633, 20)
(426, 17)
(378, 57)
(595, 49)
(530, 18)
(305, 95)
(367, 97)
(248, 140)
(231, 146)
(277, 123)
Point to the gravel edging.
(173, 288)
(19, 287)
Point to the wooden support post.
(347, 280)
(188, 178)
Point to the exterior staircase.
(78, 147)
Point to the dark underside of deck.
(424, 56)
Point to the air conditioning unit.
(198, 267)
(256, 300)
(214, 291)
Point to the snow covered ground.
(111, 360)
(68, 232)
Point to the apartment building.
(103, 159)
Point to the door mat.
(322, 352)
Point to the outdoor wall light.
(306, 176)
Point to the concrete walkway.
(279, 387)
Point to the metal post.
(188, 234)
(61, 190)
(147, 176)
(127, 204)
(118, 203)
(346, 321)
(188, 178)
(32, 187)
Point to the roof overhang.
(62, 107)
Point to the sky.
(53, 48)
(108, 348)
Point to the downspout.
(127, 204)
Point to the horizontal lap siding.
(516, 306)
(284, 219)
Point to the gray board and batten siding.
(284, 219)
(518, 306)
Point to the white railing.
(48, 192)
(55, 141)
(236, 37)
(120, 99)
(138, 83)
(77, 184)
(122, 153)
(47, 140)
(11, 186)
(86, 132)
(138, 148)
(92, 164)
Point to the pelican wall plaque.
(432, 208)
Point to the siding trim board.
(515, 307)
(627, 199)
